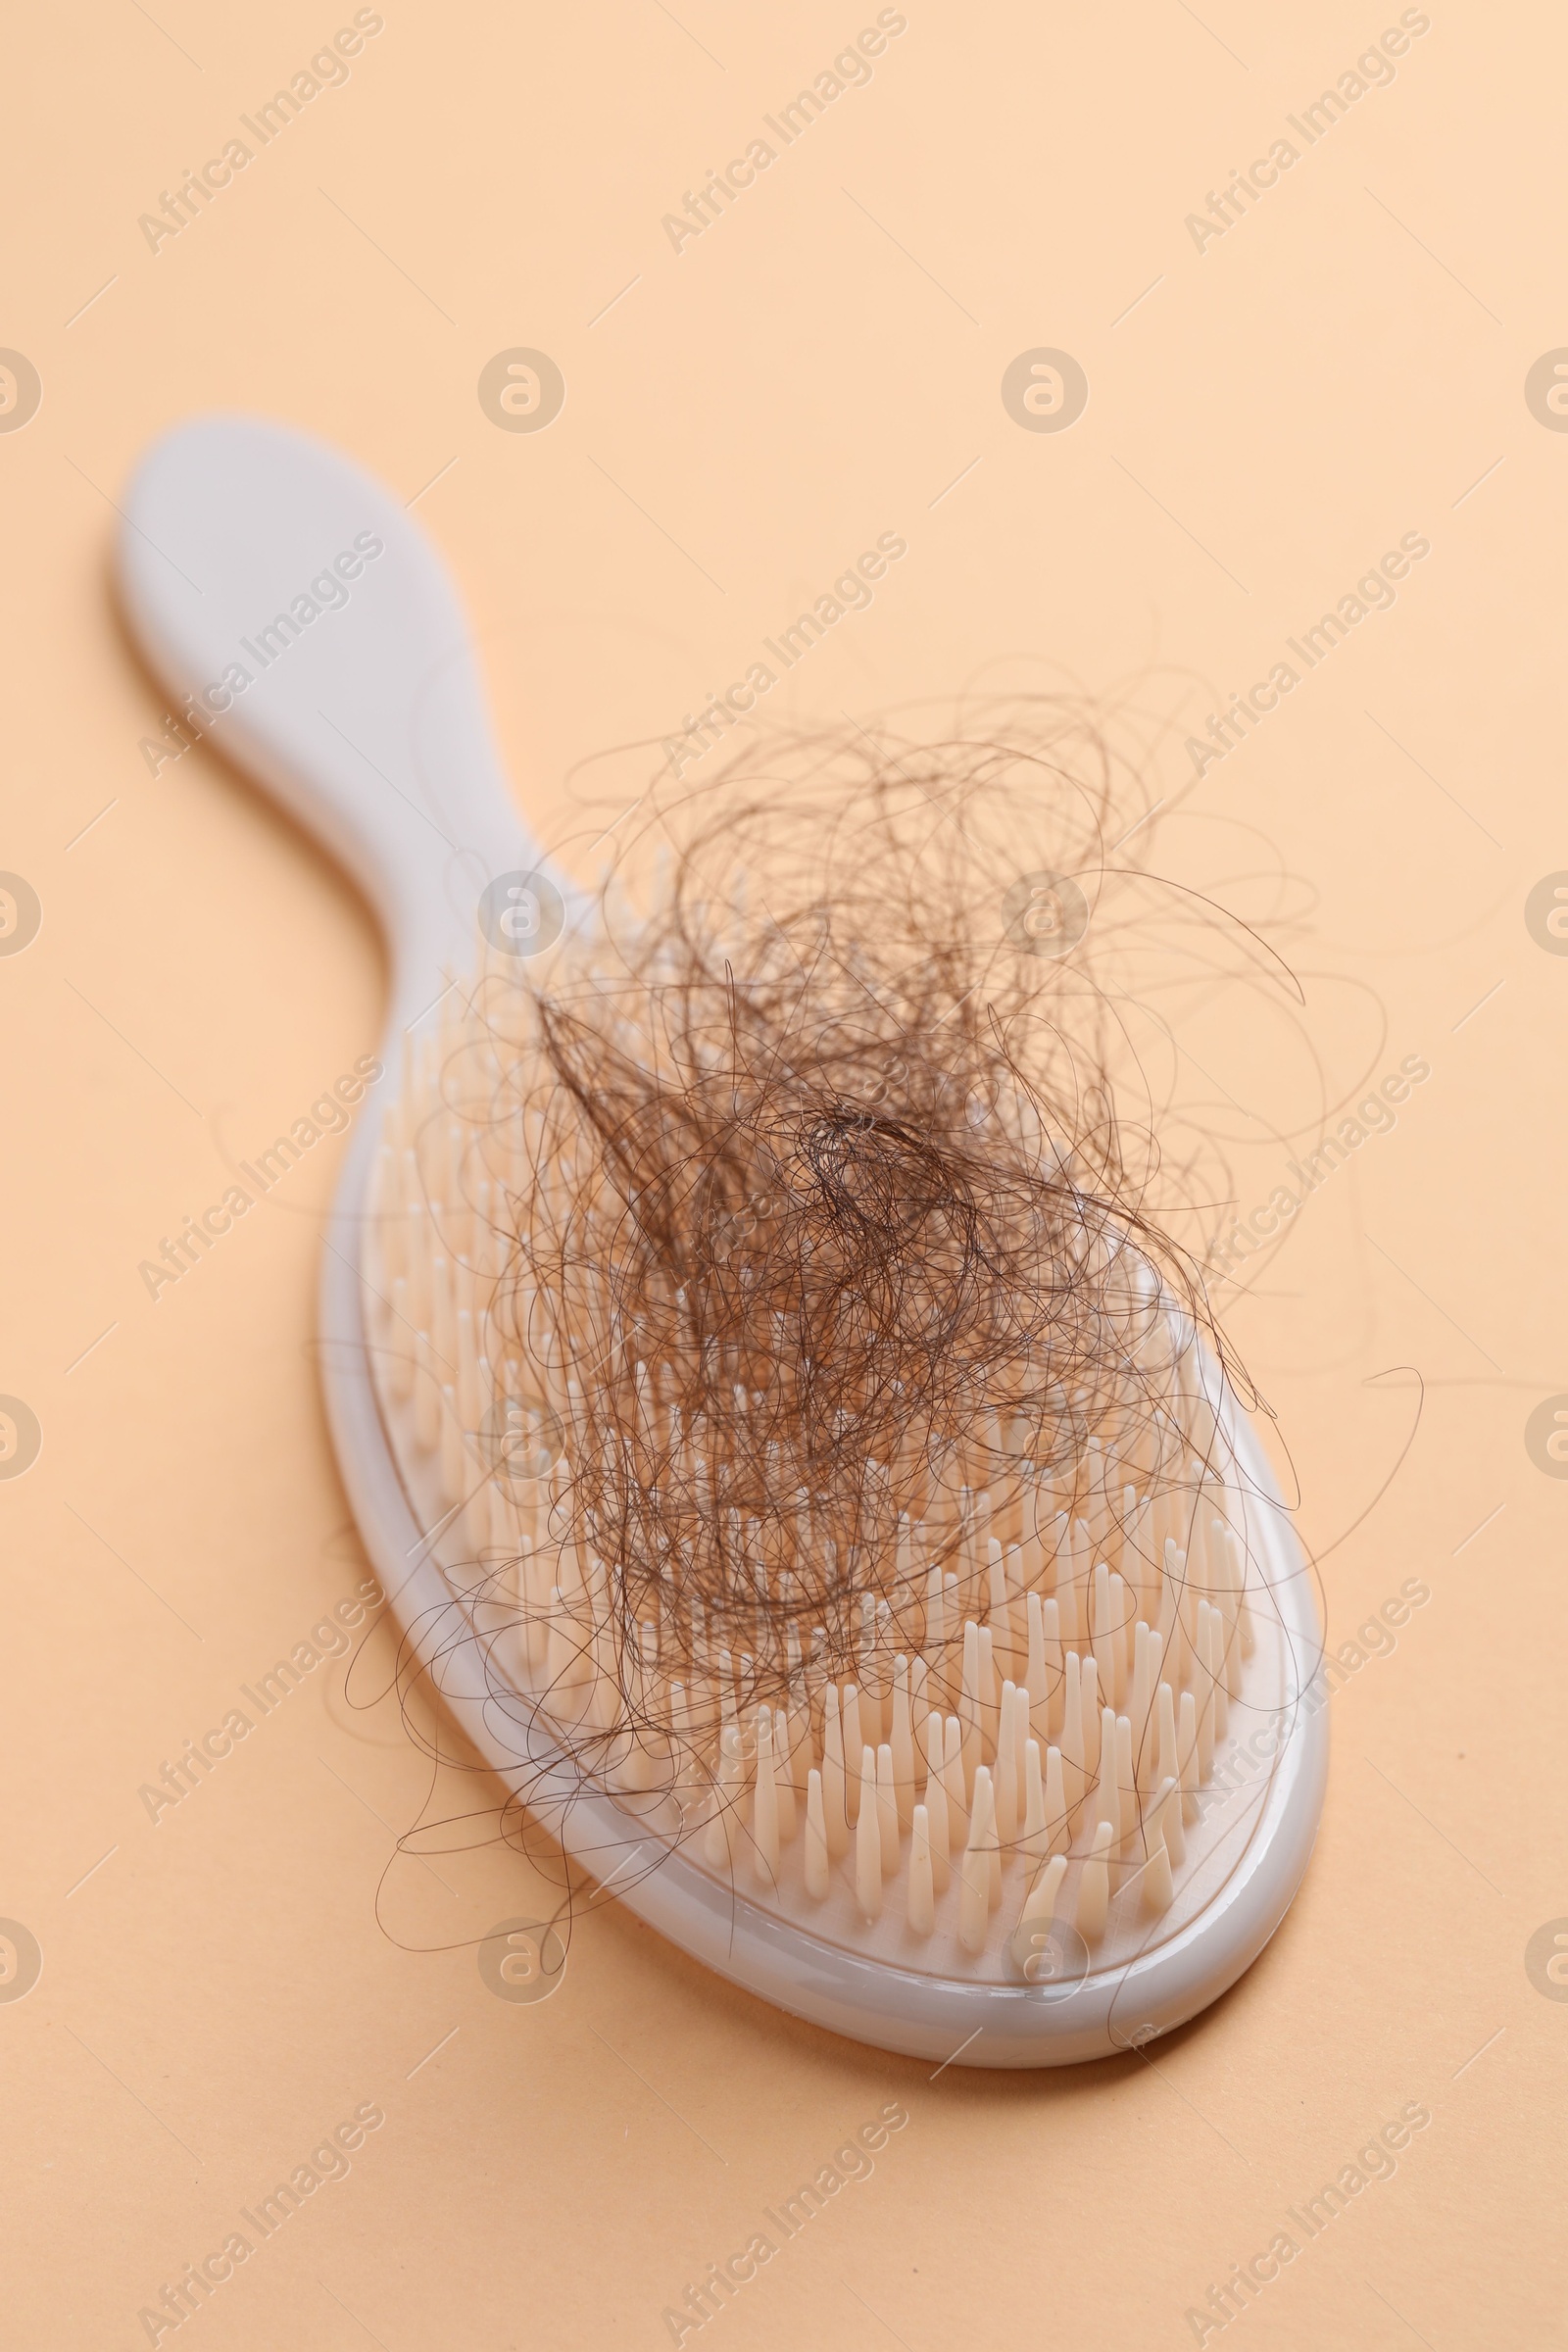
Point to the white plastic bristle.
(1020, 1736)
(765, 1807)
(939, 1830)
(1167, 1765)
(835, 1810)
(1231, 1604)
(999, 1608)
(990, 1686)
(1121, 1634)
(1036, 1836)
(792, 1743)
(1056, 1817)
(1127, 1793)
(974, 1870)
(1038, 1920)
(1168, 1806)
(871, 1727)
(1132, 1568)
(784, 1772)
(928, 1741)
(1156, 1674)
(1172, 1591)
(919, 1700)
(1158, 1889)
(935, 1607)
(1093, 1886)
(1082, 1564)
(1187, 1751)
(969, 1702)
(1141, 1700)
(1243, 1614)
(902, 1741)
(1203, 1679)
(1091, 1697)
(1206, 1690)
(1058, 1547)
(868, 1842)
(815, 1858)
(1105, 1804)
(923, 1877)
(984, 1837)
(953, 1780)
(1055, 1685)
(1008, 1792)
(1102, 1640)
(854, 1739)
(1015, 1586)
(887, 1808)
(1037, 1680)
(1073, 1731)
(1220, 1648)
(467, 1367)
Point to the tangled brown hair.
(833, 1237)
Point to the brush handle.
(283, 597)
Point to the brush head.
(841, 1479)
(758, 1346)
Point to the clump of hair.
(824, 1230)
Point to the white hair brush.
(1000, 1747)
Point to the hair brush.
(820, 1496)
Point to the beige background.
(1346, 364)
